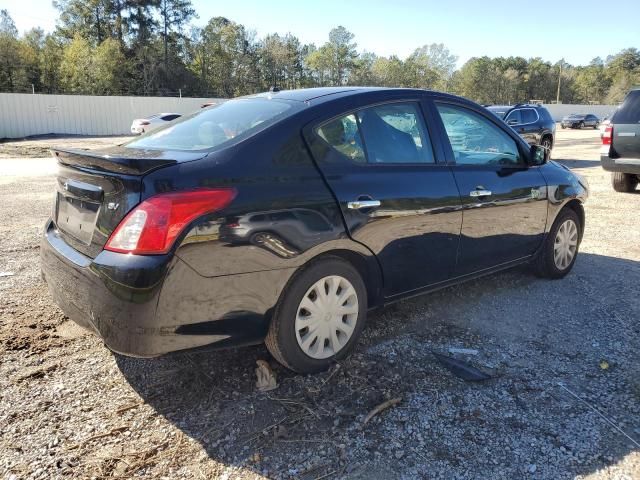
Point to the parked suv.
(532, 122)
(284, 217)
(620, 152)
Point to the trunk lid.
(95, 191)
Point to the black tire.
(623, 182)
(547, 143)
(281, 339)
(562, 126)
(581, 125)
(544, 265)
(595, 127)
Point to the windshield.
(215, 126)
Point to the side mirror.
(538, 155)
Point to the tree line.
(149, 47)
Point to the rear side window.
(629, 111)
(343, 135)
(529, 115)
(395, 133)
(476, 140)
(216, 126)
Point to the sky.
(576, 31)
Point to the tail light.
(607, 136)
(152, 227)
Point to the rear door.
(397, 196)
(626, 130)
(504, 200)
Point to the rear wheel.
(624, 182)
(596, 125)
(560, 248)
(319, 316)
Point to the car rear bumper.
(146, 306)
(624, 165)
(570, 124)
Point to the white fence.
(560, 110)
(23, 115)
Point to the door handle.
(480, 193)
(358, 204)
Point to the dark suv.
(532, 122)
(620, 152)
(285, 217)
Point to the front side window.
(344, 137)
(514, 118)
(215, 126)
(395, 133)
(475, 140)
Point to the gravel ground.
(39, 146)
(556, 350)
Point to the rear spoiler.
(135, 162)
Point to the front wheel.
(560, 248)
(319, 316)
(581, 126)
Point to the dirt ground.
(563, 401)
(39, 146)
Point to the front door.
(504, 200)
(396, 198)
(525, 122)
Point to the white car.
(143, 125)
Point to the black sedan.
(190, 236)
(580, 120)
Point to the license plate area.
(77, 217)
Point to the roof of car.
(316, 96)
(517, 105)
(307, 94)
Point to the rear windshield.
(216, 126)
(629, 111)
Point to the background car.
(620, 152)
(285, 217)
(144, 125)
(580, 120)
(531, 121)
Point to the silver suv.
(620, 151)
